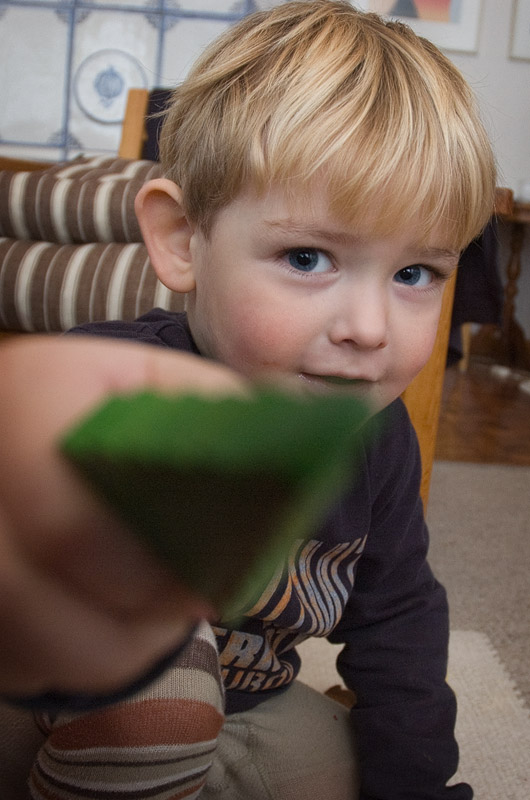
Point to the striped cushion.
(72, 251)
(52, 287)
(83, 201)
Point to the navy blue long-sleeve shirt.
(363, 581)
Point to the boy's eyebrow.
(294, 228)
(442, 254)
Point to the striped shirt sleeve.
(156, 745)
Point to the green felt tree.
(220, 487)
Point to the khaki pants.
(297, 746)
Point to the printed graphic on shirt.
(305, 598)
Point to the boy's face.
(291, 291)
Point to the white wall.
(502, 86)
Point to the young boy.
(323, 171)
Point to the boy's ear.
(167, 233)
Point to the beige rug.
(479, 521)
(493, 726)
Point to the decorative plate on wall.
(102, 81)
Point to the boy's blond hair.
(318, 92)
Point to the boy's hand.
(83, 607)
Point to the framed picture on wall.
(449, 24)
(520, 47)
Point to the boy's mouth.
(336, 382)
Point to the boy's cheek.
(252, 350)
(244, 338)
(269, 344)
(418, 352)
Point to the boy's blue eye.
(306, 259)
(416, 275)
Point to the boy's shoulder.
(391, 426)
(392, 454)
(158, 327)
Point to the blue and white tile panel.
(67, 65)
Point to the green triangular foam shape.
(220, 488)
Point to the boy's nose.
(362, 320)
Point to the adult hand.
(83, 606)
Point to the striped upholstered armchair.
(70, 246)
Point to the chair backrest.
(141, 124)
(423, 396)
(133, 131)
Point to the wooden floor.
(485, 416)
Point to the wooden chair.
(133, 132)
(423, 396)
(139, 137)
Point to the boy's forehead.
(306, 212)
